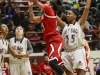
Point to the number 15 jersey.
(73, 36)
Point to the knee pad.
(55, 67)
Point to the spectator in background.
(98, 13)
(76, 6)
(7, 7)
(93, 3)
(26, 13)
(82, 3)
(17, 19)
(60, 10)
(38, 27)
(36, 70)
(45, 67)
(97, 32)
(98, 69)
(70, 4)
(10, 13)
(30, 30)
(97, 47)
(91, 20)
(25, 23)
(3, 2)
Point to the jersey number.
(72, 38)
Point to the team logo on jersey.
(29, 73)
(19, 48)
(80, 63)
(2, 50)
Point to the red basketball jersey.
(49, 22)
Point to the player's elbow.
(32, 19)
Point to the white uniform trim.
(59, 49)
(52, 50)
(49, 16)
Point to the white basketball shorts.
(75, 59)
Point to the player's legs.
(14, 69)
(79, 62)
(25, 68)
(68, 67)
(54, 49)
(57, 68)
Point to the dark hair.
(45, 54)
(76, 13)
(54, 4)
(59, 2)
(34, 60)
(21, 27)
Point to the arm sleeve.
(29, 47)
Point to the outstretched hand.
(30, 3)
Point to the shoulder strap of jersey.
(20, 40)
(49, 16)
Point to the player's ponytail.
(54, 4)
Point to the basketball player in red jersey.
(54, 41)
(5, 70)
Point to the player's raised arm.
(84, 16)
(60, 22)
(33, 18)
(38, 4)
(15, 54)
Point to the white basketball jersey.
(3, 49)
(18, 46)
(73, 36)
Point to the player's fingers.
(30, 2)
